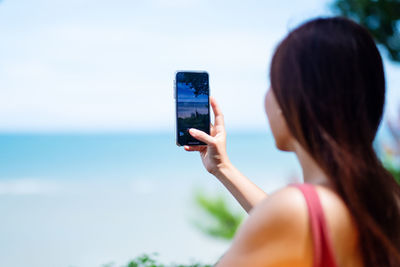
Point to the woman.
(325, 104)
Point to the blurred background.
(89, 171)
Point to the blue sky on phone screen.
(186, 93)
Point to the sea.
(81, 200)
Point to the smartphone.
(192, 104)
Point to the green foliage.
(380, 17)
(221, 221)
(390, 151)
(146, 260)
(199, 83)
(389, 163)
(395, 172)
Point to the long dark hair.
(327, 76)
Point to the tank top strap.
(323, 251)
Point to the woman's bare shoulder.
(341, 227)
(276, 233)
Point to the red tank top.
(323, 251)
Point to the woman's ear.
(277, 122)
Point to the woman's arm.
(216, 161)
(242, 188)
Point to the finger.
(219, 117)
(194, 148)
(201, 136)
(213, 132)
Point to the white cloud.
(26, 186)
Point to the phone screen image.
(192, 105)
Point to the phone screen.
(192, 106)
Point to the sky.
(90, 66)
(186, 93)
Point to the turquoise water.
(121, 156)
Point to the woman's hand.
(213, 155)
(215, 160)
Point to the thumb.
(201, 136)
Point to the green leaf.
(219, 220)
(380, 17)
